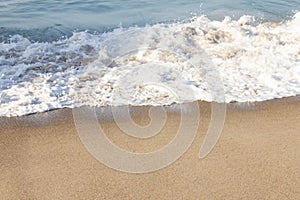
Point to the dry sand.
(256, 157)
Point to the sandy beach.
(70, 69)
(256, 157)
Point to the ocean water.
(56, 54)
(51, 19)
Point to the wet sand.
(256, 157)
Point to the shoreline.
(60, 114)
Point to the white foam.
(256, 62)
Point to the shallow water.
(146, 53)
(49, 20)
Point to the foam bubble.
(257, 62)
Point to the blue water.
(51, 19)
(56, 53)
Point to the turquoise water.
(50, 19)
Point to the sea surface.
(71, 53)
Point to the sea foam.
(254, 61)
